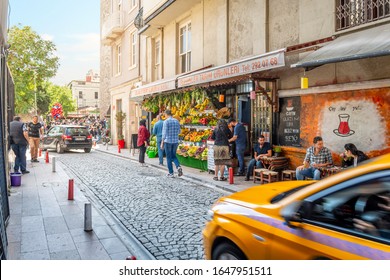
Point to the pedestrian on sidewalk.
(142, 141)
(239, 137)
(19, 142)
(157, 130)
(170, 141)
(35, 131)
(221, 135)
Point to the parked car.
(306, 219)
(65, 137)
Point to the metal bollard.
(87, 216)
(70, 189)
(53, 164)
(231, 176)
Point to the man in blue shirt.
(170, 139)
(263, 149)
(240, 138)
(157, 130)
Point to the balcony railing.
(351, 13)
(113, 27)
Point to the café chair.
(288, 175)
(257, 173)
(269, 176)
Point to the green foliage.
(32, 61)
(62, 95)
(120, 119)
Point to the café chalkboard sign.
(289, 121)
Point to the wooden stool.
(269, 176)
(257, 173)
(288, 175)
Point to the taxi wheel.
(228, 251)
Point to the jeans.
(240, 156)
(170, 151)
(142, 150)
(251, 165)
(160, 152)
(20, 157)
(310, 172)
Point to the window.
(80, 94)
(118, 65)
(96, 95)
(133, 3)
(185, 48)
(341, 210)
(350, 13)
(157, 59)
(133, 49)
(119, 105)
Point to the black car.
(66, 137)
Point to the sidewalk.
(202, 177)
(45, 225)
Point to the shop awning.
(155, 87)
(368, 43)
(245, 66)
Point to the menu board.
(289, 121)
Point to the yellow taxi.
(344, 216)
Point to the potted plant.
(277, 151)
(120, 119)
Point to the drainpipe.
(266, 26)
(162, 52)
(227, 32)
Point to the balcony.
(113, 27)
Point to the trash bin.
(16, 179)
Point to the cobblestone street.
(166, 215)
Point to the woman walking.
(221, 136)
(142, 142)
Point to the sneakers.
(246, 179)
(161, 164)
(25, 172)
(179, 172)
(34, 160)
(143, 165)
(169, 175)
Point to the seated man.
(261, 149)
(316, 156)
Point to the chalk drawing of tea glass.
(343, 130)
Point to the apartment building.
(290, 69)
(120, 63)
(86, 92)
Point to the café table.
(274, 163)
(329, 170)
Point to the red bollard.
(231, 176)
(70, 189)
(40, 152)
(131, 258)
(47, 157)
(119, 149)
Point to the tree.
(62, 95)
(32, 61)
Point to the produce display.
(196, 115)
(152, 150)
(192, 151)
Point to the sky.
(72, 25)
